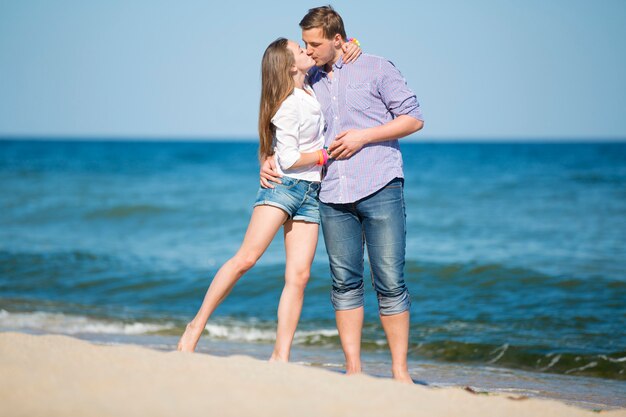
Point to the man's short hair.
(327, 18)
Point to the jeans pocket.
(287, 183)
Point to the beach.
(55, 375)
(130, 166)
(515, 261)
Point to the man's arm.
(401, 102)
(349, 142)
(269, 173)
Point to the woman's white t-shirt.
(299, 124)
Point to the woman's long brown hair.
(276, 85)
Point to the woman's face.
(302, 61)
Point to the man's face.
(319, 48)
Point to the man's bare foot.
(189, 339)
(402, 376)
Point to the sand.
(61, 376)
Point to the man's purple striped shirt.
(367, 93)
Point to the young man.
(367, 106)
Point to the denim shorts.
(298, 198)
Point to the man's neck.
(329, 66)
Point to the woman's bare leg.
(264, 223)
(300, 244)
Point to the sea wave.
(609, 365)
(74, 324)
(532, 358)
(246, 332)
(223, 328)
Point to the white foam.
(314, 336)
(240, 333)
(249, 333)
(614, 360)
(502, 350)
(582, 368)
(74, 324)
(70, 324)
(551, 364)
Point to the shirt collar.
(337, 65)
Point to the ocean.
(516, 258)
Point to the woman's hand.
(351, 52)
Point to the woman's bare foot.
(353, 367)
(278, 358)
(402, 376)
(189, 339)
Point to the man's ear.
(337, 40)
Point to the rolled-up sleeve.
(287, 124)
(396, 94)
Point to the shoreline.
(580, 391)
(61, 375)
(585, 392)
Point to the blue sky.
(490, 70)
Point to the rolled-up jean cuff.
(388, 306)
(348, 300)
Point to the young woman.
(291, 128)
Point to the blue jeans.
(378, 221)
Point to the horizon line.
(239, 139)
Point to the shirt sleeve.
(396, 94)
(287, 124)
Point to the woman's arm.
(286, 122)
(307, 159)
(351, 50)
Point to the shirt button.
(334, 98)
